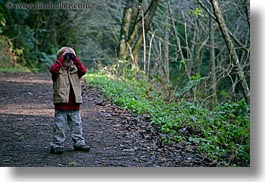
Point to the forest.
(185, 64)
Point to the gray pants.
(73, 119)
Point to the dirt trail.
(116, 137)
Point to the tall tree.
(231, 48)
(212, 61)
(132, 33)
(124, 32)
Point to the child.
(66, 74)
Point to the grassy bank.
(221, 133)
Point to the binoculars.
(69, 56)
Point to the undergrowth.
(222, 133)
(9, 57)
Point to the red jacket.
(71, 105)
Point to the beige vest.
(61, 87)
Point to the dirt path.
(116, 137)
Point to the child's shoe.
(57, 150)
(82, 148)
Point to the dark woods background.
(182, 43)
(197, 51)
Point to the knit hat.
(65, 49)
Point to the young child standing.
(66, 74)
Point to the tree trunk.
(147, 23)
(131, 42)
(231, 50)
(212, 62)
(197, 59)
(127, 17)
(175, 32)
(166, 48)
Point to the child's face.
(67, 63)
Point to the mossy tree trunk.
(132, 34)
(232, 51)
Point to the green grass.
(222, 134)
(129, 95)
(15, 69)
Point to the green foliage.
(128, 95)
(189, 85)
(223, 133)
(17, 69)
(36, 35)
(9, 57)
(197, 12)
